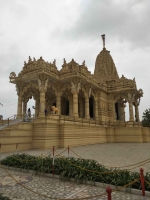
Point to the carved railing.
(91, 122)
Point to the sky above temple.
(57, 29)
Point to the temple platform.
(62, 131)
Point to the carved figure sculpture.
(90, 92)
(129, 97)
(46, 83)
(12, 75)
(64, 61)
(39, 82)
(54, 62)
(141, 91)
(30, 59)
(73, 87)
(79, 87)
(83, 63)
(55, 110)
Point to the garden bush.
(2, 197)
(81, 170)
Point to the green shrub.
(4, 197)
(81, 170)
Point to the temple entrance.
(91, 107)
(54, 104)
(116, 111)
(81, 104)
(64, 106)
(31, 105)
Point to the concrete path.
(108, 154)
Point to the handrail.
(6, 121)
(91, 121)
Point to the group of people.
(28, 114)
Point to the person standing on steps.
(29, 112)
(45, 111)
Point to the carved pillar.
(24, 107)
(42, 102)
(137, 113)
(75, 87)
(75, 105)
(96, 109)
(58, 103)
(19, 109)
(43, 82)
(119, 110)
(36, 107)
(70, 106)
(131, 111)
(122, 114)
(80, 107)
(87, 116)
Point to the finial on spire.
(103, 38)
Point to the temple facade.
(101, 96)
(90, 107)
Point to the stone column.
(24, 107)
(122, 113)
(70, 106)
(19, 109)
(36, 107)
(80, 107)
(58, 103)
(137, 113)
(75, 88)
(43, 83)
(75, 104)
(96, 109)
(42, 102)
(131, 111)
(87, 108)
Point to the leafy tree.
(146, 118)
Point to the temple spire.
(103, 38)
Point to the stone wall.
(16, 134)
(44, 134)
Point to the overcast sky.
(57, 29)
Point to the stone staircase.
(11, 122)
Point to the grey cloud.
(126, 21)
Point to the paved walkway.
(109, 154)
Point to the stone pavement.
(108, 154)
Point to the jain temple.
(82, 108)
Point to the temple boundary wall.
(43, 133)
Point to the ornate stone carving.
(12, 76)
(43, 84)
(75, 87)
(39, 82)
(90, 91)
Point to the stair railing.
(7, 121)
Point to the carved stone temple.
(91, 106)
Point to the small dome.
(105, 68)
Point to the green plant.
(2, 197)
(146, 118)
(81, 170)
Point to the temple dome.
(105, 68)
